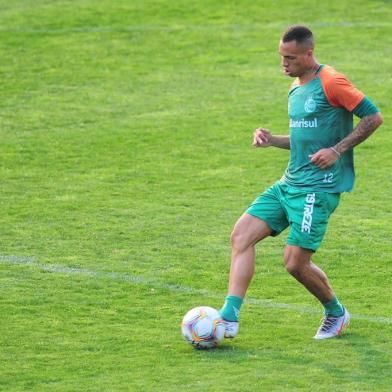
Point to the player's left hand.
(324, 158)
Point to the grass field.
(126, 158)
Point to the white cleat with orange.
(333, 326)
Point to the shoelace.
(328, 322)
(229, 326)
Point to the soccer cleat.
(231, 328)
(332, 326)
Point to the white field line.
(134, 279)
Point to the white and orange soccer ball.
(203, 327)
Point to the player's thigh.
(269, 208)
(249, 230)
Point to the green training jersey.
(320, 115)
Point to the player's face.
(295, 58)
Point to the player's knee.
(235, 239)
(296, 260)
(293, 267)
(238, 241)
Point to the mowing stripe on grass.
(62, 269)
(187, 27)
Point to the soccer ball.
(203, 327)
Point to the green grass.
(126, 156)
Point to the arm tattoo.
(361, 132)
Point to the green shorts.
(306, 213)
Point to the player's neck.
(310, 73)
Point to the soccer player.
(321, 104)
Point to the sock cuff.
(237, 301)
(332, 301)
(333, 308)
(231, 308)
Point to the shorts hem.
(275, 231)
(312, 247)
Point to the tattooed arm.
(361, 132)
(328, 156)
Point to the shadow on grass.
(374, 361)
(372, 357)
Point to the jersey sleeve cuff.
(365, 108)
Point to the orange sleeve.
(340, 92)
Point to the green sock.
(231, 308)
(333, 308)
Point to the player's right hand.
(262, 137)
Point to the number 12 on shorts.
(328, 177)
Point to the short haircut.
(301, 34)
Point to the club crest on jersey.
(310, 105)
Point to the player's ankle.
(231, 308)
(333, 308)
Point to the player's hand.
(262, 138)
(324, 158)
